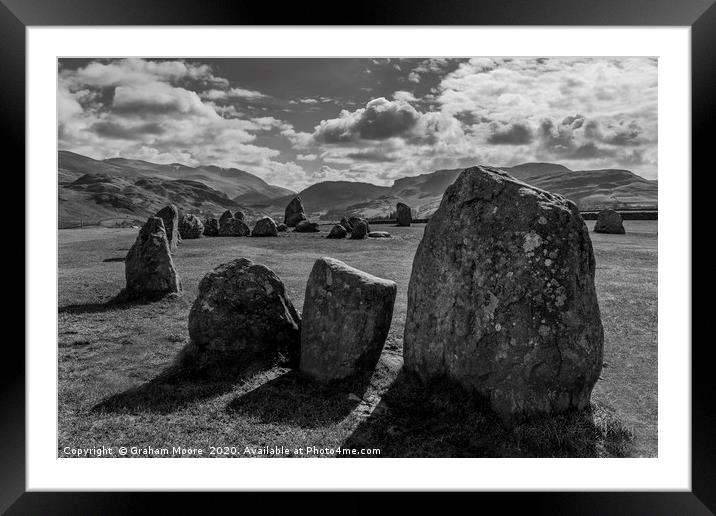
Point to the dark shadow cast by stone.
(443, 420)
(297, 400)
(119, 302)
(169, 391)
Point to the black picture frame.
(17, 15)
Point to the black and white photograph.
(403, 257)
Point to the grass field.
(111, 359)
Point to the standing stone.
(225, 216)
(242, 317)
(239, 215)
(294, 212)
(609, 221)
(337, 231)
(281, 228)
(190, 227)
(355, 220)
(360, 230)
(170, 219)
(403, 215)
(148, 266)
(379, 234)
(233, 227)
(211, 227)
(265, 226)
(346, 318)
(502, 299)
(306, 227)
(346, 225)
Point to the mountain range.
(590, 189)
(119, 189)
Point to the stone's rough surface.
(148, 266)
(355, 220)
(360, 230)
(211, 227)
(265, 226)
(307, 227)
(379, 234)
(225, 216)
(239, 215)
(190, 227)
(233, 227)
(609, 221)
(281, 227)
(346, 225)
(346, 318)
(241, 317)
(294, 213)
(501, 297)
(403, 214)
(337, 231)
(170, 219)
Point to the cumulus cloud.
(510, 134)
(379, 120)
(159, 98)
(136, 71)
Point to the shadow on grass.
(442, 420)
(296, 400)
(171, 390)
(119, 302)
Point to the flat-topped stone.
(346, 318)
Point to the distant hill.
(332, 197)
(590, 189)
(118, 188)
(97, 190)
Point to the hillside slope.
(120, 190)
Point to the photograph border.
(17, 15)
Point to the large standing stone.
(190, 227)
(403, 215)
(346, 318)
(501, 297)
(360, 230)
(352, 221)
(233, 227)
(148, 266)
(609, 221)
(306, 227)
(170, 219)
(241, 317)
(211, 227)
(337, 231)
(265, 226)
(294, 212)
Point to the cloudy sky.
(295, 122)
